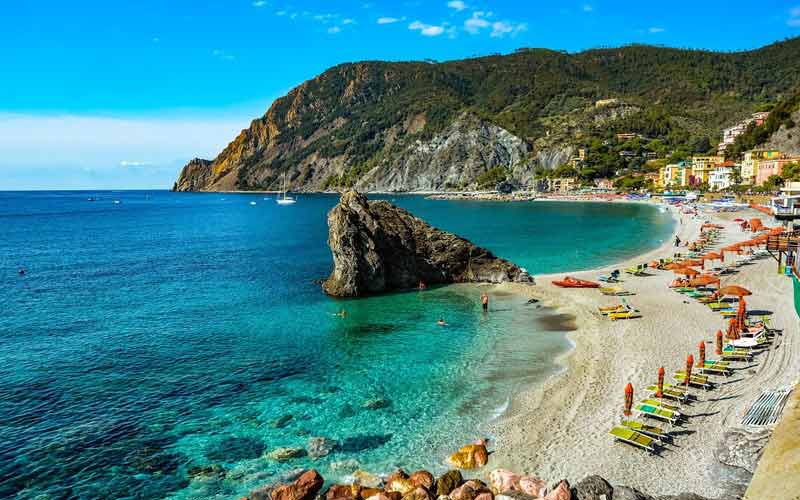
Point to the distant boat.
(286, 200)
(117, 202)
(252, 203)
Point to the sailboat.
(285, 200)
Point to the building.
(752, 160)
(768, 168)
(626, 137)
(702, 166)
(721, 178)
(606, 184)
(787, 205)
(674, 175)
(561, 184)
(730, 134)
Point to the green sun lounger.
(674, 393)
(652, 431)
(715, 369)
(696, 380)
(634, 438)
(719, 306)
(684, 289)
(661, 404)
(658, 413)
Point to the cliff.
(464, 124)
(378, 247)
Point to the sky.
(111, 95)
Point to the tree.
(700, 145)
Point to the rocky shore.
(378, 247)
(498, 484)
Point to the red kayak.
(570, 282)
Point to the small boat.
(286, 200)
(252, 203)
(117, 202)
(570, 282)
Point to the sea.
(163, 345)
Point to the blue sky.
(120, 94)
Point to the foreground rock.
(378, 247)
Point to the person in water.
(441, 322)
(485, 301)
(22, 271)
(422, 285)
(341, 313)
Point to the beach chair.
(636, 271)
(614, 292)
(612, 277)
(736, 355)
(630, 314)
(653, 411)
(634, 438)
(675, 393)
(662, 404)
(695, 380)
(654, 432)
(719, 306)
(716, 369)
(605, 311)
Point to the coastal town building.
(721, 178)
(605, 184)
(752, 160)
(674, 175)
(702, 167)
(768, 168)
(561, 184)
(730, 134)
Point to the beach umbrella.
(740, 314)
(687, 271)
(738, 219)
(734, 290)
(719, 342)
(692, 262)
(628, 399)
(660, 388)
(703, 280)
(701, 359)
(689, 365)
(673, 265)
(733, 334)
(756, 225)
(714, 256)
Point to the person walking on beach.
(677, 241)
(485, 301)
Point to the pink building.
(768, 168)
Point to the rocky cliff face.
(786, 140)
(378, 247)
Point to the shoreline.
(577, 405)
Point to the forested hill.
(436, 126)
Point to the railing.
(784, 242)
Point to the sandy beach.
(560, 428)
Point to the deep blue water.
(170, 331)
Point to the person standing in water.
(485, 301)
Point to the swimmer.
(422, 285)
(485, 301)
(441, 322)
(341, 313)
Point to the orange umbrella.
(733, 333)
(719, 342)
(701, 360)
(703, 280)
(713, 256)
(628, 400)
(660, 389)
(740, 314)
(734, 290)
(686, 271)
(692, 262)
(673, 265)
(689, 365)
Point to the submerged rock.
(447, 482)
(377, 404)
(378, 247)
(207, 472)
(281, 422)
(319, 447)
(366, 479)
(283, 454)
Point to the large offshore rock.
(378, 247)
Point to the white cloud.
(259, 3)
(794, 17)
(426, 29)
(457, 5)
(477, 22)
(334, 29)
(503, 28)
(587, 8)
(129, 163)
(389, 20)
(348, 21)
(656, 29)
(324, 18)
(280, 13)
(221, 54)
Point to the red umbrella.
(719, 342)
(628, 399)
(738, 219)
(689, 364)
(701, 360)
(733, 331)
(660, 390)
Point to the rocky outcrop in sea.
(378, 247)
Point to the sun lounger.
(654, 432)
(670, 392)
(695, 380)
(661, 404)
(719, 306)
(638, 270)
(624, 315)
(612, 277)
(634, 438)
(657, 413)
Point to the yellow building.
(562, 184)
(674, 175)
(751, 162)
(702, 166)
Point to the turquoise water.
(173, 331)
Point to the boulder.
(503, 480)
(463, 492)
(262, 492)
(397, 474)
(626, 493)
(281, 422)
(402, 485)
(369, 492)
(366, 479)
(469, 457)
(514, 495)
(342, 492)
(319, 447)
(379, 496)
(378, 247)
(485, 496)
(423, 479)
(591, 487)
(562, 492)
(447, 482)
(377, 404)
(284, 454)
(305, 487)
(418, 493)
(532, 486)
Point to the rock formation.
(378, 247)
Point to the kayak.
(569, 282)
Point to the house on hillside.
(674, 175)
(768, 168)
(605, 184)
(752, 160)
(561, 185)
(702, 167)
(730, 134)
(721, 177)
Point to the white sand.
(560, 429)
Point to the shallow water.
(173, 331)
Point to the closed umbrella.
(719, 342)
(628, 399)
(740, 313)
(660, 389)
(689, 365)
(733, 332)
(701, 359)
